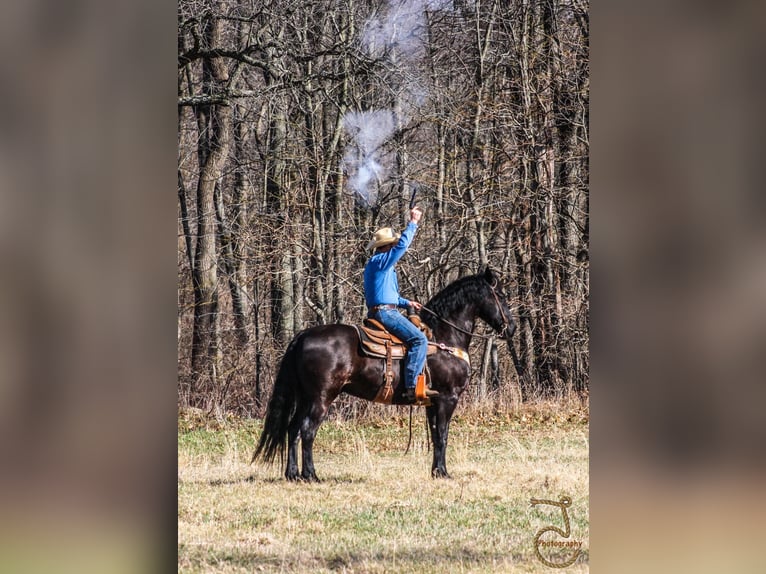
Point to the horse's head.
(495, 310)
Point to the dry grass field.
(377, 509)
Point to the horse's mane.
(455, 297)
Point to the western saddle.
(378, 343)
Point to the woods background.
(483, 103)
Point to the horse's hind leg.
(309, 430)
(291, 471)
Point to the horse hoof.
(310, 478)
(293, 477)
(439, 473)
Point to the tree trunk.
(205, 275)
(236, 252)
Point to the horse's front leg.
(439, 415)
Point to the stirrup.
(422, 393)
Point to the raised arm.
(395, 254)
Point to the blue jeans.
(413, 338)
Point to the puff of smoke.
(399, 38)
(369, 130)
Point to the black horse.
(322, 362)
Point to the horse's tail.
(282, 406)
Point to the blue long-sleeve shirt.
(381, 287)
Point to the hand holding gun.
(415, 212)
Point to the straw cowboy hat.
(383, 237)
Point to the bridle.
(502, 333)
(506, 321)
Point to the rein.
(451, 324)
(409, 439)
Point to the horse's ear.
(489, 275)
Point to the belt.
(377, 308)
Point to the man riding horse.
(324, 361)
(381, 292)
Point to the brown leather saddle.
(378, 343)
